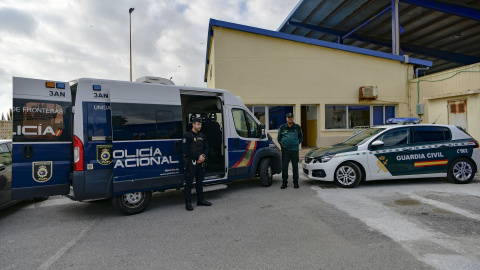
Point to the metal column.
(395, 29)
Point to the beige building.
(449, 97)
(320, 82)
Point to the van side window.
(98, 119)
(146, 121)
(42, 121)
(245, 125)
(395, 137)
(432, 134)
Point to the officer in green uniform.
(290, 136)
(195, 150)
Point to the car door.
(433, 147)
(147, 135)
(5, 174)
(385, 161)
(42, 138)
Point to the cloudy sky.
(70, 39)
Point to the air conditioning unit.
(368, 93)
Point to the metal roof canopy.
(445, 32)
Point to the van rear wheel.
(266, 172)
(461, 171)
(132, 203)
(347, 175)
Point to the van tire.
(347, 175)
(461, 171)
(266, 172)
(132, 203)
(40, 199)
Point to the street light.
(130, 13)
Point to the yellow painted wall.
(437, 89)
(266, 70)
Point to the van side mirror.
(377, 144)
(262, 132)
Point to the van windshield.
(363, 136)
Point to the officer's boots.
(203, 202)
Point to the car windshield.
(363, 136)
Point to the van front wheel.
(132, 203)
(266, 172)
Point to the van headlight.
(323, 159)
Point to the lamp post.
(130, 13)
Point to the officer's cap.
(196, 120)
(289, 115)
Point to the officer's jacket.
(194, 144)
(290, 137)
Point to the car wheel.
(266, 172)
(132, 203)
(461, 171)
(347, 175)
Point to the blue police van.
(95, 139)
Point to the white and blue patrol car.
(93, 139)
(395, 152)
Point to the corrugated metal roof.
(307, 40)
(445, 32)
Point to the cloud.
(66, 40)
(16, 22)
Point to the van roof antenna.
(436, 119)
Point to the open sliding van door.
(42, 138)
(147, 139)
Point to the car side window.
(5, 156)
(425, 134)
(395, 137)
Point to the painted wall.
(266, 70)
(436, 90)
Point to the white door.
(457, 113)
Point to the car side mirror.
(377, 144)
(2, 167)
(262, 132)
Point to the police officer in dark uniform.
(290, 136)
(195, 149)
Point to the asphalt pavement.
(408, 224)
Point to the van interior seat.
(211, 129)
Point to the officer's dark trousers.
(191, 172)
(289, 156)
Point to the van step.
(211, 188)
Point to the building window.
(259, 112)
(356, 116)
(276, 115)
(335, 116)
(382, 114)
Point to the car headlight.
(323, 159)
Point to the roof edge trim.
(285, 22)
(316, 42)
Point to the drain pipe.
(418, 69)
